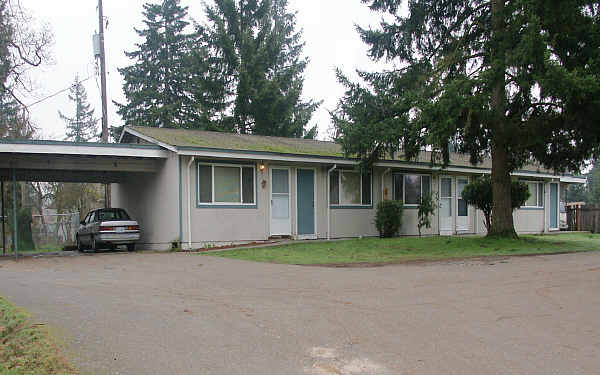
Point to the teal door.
(306, 201)
(553, 206)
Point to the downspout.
(189, 200)
(383, 182)
(329, 201)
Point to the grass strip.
(403, 249)
(26, 347)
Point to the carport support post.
(15, 239)
(3, 219)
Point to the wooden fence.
(584, 218)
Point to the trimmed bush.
(388, 219)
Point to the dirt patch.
(232, 246)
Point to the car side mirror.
(82, 222)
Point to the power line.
(56, 93)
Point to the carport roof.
(58, 161)
(20, 146)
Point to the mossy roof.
(241, 142)
(298, 146)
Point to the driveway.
(189, 314)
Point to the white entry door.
(281, 221)
(446, 199)
(463, 219)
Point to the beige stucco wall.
(152, 200)
(216, 225)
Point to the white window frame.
(421, 175)
(340, 204)
(212, 171)
(539, 184)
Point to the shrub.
(479, 194)
(388, 218)
(426, 210)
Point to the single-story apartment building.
(222, 188)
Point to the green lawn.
(26, 348)
(401, 249)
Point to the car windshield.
(112, 214)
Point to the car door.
(81, 232)
(89, 227)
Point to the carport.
(56, 161)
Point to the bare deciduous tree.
(22, 47)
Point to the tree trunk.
(502, 219)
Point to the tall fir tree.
(255, 67)
(82, 127)
(593, 184)
(515, 80)
(159, 83)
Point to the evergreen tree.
(255, 68)
(158, 85)
(82, 127)
(515, 80)
(14, 119)
(593, 184)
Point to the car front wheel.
(94, 244)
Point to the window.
(224, 184)
(536, 194)
(409, 188)
(112, 214)
(349, 188)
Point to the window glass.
(111, 214)
(398, 186)
(334, 187)
(446, 187)
(426, 184)
(350, 188)
(366, 189)
(227, 184)
(412, 189)
(280, 181)
(248, 185)
(205, 183)
(540, 194)
(462, 209)
(532, 200)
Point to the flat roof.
(19, 146)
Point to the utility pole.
(107, 202)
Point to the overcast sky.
(329, 34)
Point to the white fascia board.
(270, 157)
(534, 174)
(81, 150)
(573, 180)
(425, 167)
(148, 139)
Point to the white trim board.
(83, 150)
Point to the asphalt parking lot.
(189, 314)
